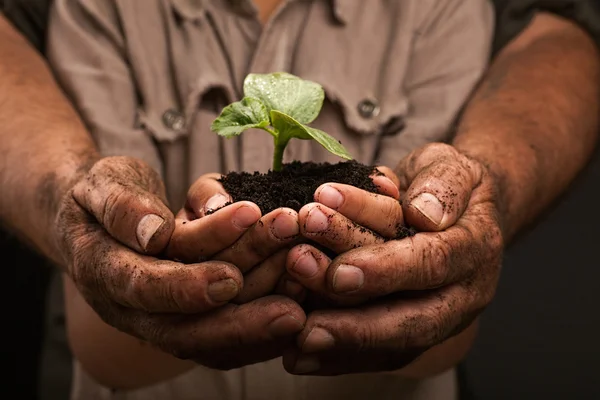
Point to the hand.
(428, 287)
(207, 228)
(110, 224)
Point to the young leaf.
(289, 128)
(239, 116)
(300, 99)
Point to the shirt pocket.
(360, 116)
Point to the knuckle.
(423, 331)
(393, 217)
(178, 294)
(259, 244)
(438, 258)
(495, 239)
(84, 264)
(136, 289)
(110, 211)
(437, 149)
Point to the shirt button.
(174, 120)
(368, 108)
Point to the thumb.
(127, 198)
(440, 182)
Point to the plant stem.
(278, 156)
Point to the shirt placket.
(273, 53)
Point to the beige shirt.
(149, 77)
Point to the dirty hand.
(210, 228)
(112, 225)
(421, 290)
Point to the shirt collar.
(194, 9)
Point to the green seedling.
(282, 105)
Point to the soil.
(295, 185)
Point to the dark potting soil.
(295, 185)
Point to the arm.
(539, 104)
(89, 54)
(437, 85)
(52, 197)
(545, 139)
(525, 134)
(45, 147)
(86, 51)
(44, 152)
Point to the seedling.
(282, 105)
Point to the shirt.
(149, 77)
(30, 16)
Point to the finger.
(309, 266)
(276, 230)
(104, 270)
(427, 260)
(441, 182)
(332, 230)
(229, 337)
(263, 279)
(127, 198)
(387, 182)
(206, 195)
(289, 287)
(202, 238)
(381, 214)
(380, 337)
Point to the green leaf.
(289, 128)
(289, 94)
(239, 116)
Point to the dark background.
(539, 339)
(541, 336)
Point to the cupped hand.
(423, 289)
(112, 225)
(212, 227)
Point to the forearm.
(44, 145)
(534, 119)
(113, 358)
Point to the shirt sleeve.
(87, 51)
(28, 16)
(512, 16)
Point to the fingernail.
(146, 229)
(224, 290)
(284, 326)
(348, 279)
(318, 340)
(306, 365)
(382, 181)
(429, 206)
(245, 216)
(285, 226)
(306, 266)
(330, 196)
(316, 221)
(215, 202)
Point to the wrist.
(495, 176)
(61, 204)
